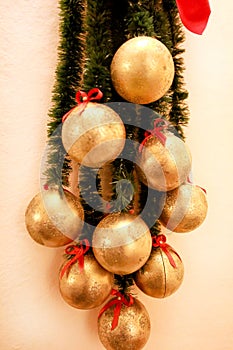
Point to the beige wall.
(32, 313)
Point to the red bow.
(78, 252)
(194, 14)
(160, 241)
(190, 182)
(155, 132)
(83, 98)
(118, 301)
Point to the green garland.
(69, 76)
(179, 113)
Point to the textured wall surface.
(32, 313)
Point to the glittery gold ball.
(54, 220)
(185, 208)
(88, 288)
(132, 331)
(142, 70)
(158, 278)
(95, 136)
(122, 243)
(164, 167)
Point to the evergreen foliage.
(69, 76)
(179, 113)
(99, 48)
(99, 53)
(124, 283)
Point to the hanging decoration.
(133, 162)
(137, 77)
(185, 208)
(165, 160)
(54, 220)
(83, 283)
(122, 243)
(163, 273)
(194, 14)
(92, 133)
(123, 323)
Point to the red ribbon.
(155, 132)
(190, 182)
(118, 301)
(160, 241)
(78, 252)
(194, 14)
(83, 98)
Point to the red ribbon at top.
(157, 131)
(118, 301)
(160, 241)
(194, 14)
(83, 98)
(78, 252)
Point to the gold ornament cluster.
(142, 71)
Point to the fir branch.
(67, 81)
(99, 48)
(179, 113)
(124, 283)
(119, 11)
(124, 186)
(70, 60)
(139, 20)
(99, 54)
(148, 18)
(161, 32)
(156, 229)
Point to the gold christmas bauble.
(122, 243)
(87, 288)
(132, 331)
(54, 220)
(142, 70)
(158, 278)
(185, 208)
(94, 136)
(164, 167)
